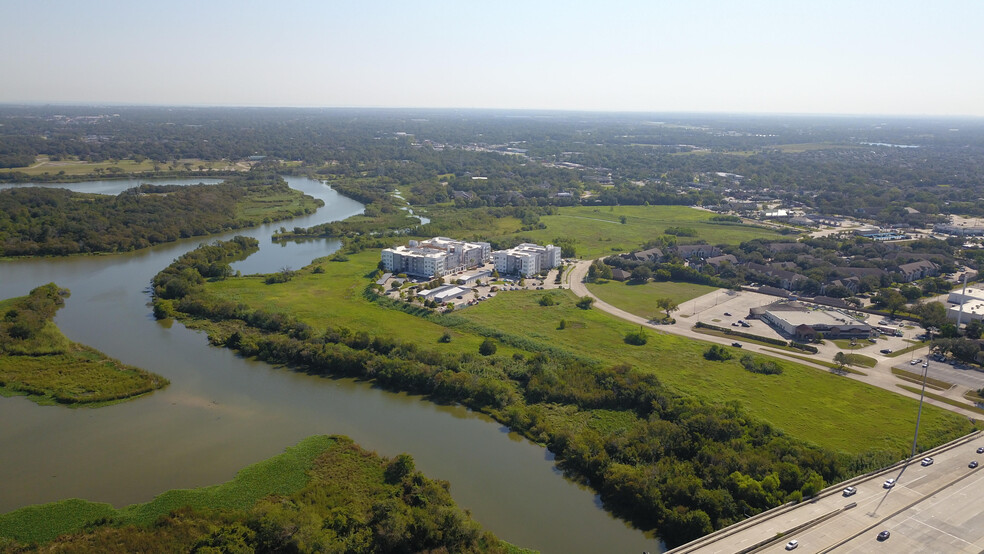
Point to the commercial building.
(526, 259)
(435, 257)
(803, 323)
(442, 294)
(972, 300)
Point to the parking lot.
(957, 374)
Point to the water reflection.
(222, 412)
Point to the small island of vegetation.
(325, 494)
(37, 360)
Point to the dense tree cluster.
(52, 221)
(876, 169)
(354, 501)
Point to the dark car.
(886, 350)
(736, 344)
(883, 536)
(727, 314)
(972, 465)
(980, 450)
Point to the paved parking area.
(958, 375)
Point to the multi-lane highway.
(931, 508)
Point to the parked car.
(850, 491)
(889, 483)
(927, 462)
(925, 365)
(791, 545)
(872, 341)
(886, 350)
(980, 450)
(736, 344)
(883, 536)
(727, 314)
(914, 362)
(972, 465)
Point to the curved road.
(879, 376)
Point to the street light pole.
(922, 395)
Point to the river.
(222, 412)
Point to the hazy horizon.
(762, 57)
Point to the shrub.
(585, 302)
(487, 348)
(547, 300)
(637, 338)
(717, 353)
(755, 365)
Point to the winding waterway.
(222, 412)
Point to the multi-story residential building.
(435, 257)
(526, 259)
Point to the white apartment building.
(526, 259)
(436, 257)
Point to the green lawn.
(640, 299)
(334, 298)
(806, 403)
(809, 404)
(600, 232)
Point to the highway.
(934, 508)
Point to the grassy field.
(275, 206)
(808, 404)
(74, 167)
(640, 299)
(599, 231)
(335, 298)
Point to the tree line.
(676, 464)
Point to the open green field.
(640, 299)
(334, 298)
(599, 231)
(806, 403)
(275, 206)
(75, 167)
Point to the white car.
(889, 483)
(791, 545)
(850, 491)
(927, 462)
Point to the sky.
(896, 57)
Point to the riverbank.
(40, 362)
(323, 494)
(54, 221)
